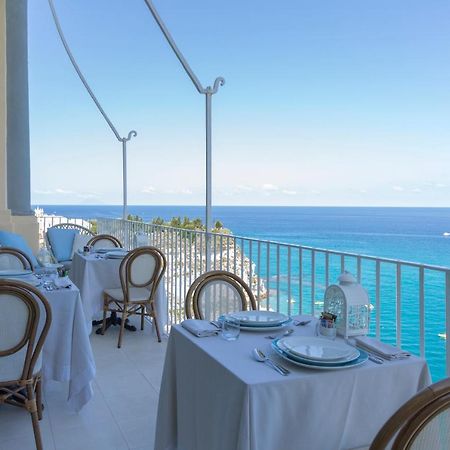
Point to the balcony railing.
(409, 301)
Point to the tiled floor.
(120, 416)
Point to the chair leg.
(142, 317)
(122, 326)
(32, 408)
(39, 398)
(155, 321)
(105, 310)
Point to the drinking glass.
(230, 329)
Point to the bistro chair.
(13, 258)
(218, 292)
(24, 323)
(64, 239)
(422, 423)
(104, 241)
(140, 272)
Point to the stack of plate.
(259, 320)
(13, 273)
(116, 254)
(319, 353)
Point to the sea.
(410, 234)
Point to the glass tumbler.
(231, 329)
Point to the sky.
(325, 103)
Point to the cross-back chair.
(24, 323)
(422, 423)
(13, 258)
(104, 241)
(141, 271)
(218, 292)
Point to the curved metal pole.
(123, 140)
(208, 92)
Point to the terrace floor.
(120, 416)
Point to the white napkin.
(382, 349)
(63, 282)
(199, 328)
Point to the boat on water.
(446, 234)
(443, 335)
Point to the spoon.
(261, 357)
(280, 335)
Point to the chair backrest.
(143, 267)
(422, 423)
(218, 292)
(65, 226)
(24, 323)
(13, 258)
(104, 241)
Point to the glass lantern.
(44, 257)
(349, 301)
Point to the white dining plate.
(106, 249)
(259, 318)
(319, 349)
(315, 366)
(14, 272)
(118, 254)
(281, 346)
(266, 329)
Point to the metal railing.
(409, 301)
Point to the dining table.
(94, 272)
(67, 354)
(215, 395)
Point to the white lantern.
(350, 303)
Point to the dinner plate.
(259, 318)
(319, 349)
(116, 254)
(29, 279)
(280, 345)
(106, 250)
(14, 272)
(363, 357)
(266, 329)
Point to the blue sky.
(325, 103)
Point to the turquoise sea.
(412, 234)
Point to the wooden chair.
(24, 323)
(104, 241)
(218, 292)
(141, 271)
(66, 226)
(422, 423)
(13, 258)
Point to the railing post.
(447, 320)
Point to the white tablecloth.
(93, 276)
(215, 396)
(67, 352)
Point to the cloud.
(244, 188)
(440, 185)
(417, 190)
(398, 188)
(43, 192)
(149, 190)
(63, 191)
(269, 187)
(315, 191)
(186, 191)
(363, 191)
(288, 192)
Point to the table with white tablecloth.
(215, 396)
(67, 351)
(93, 274)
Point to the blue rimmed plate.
(362, 358)
(260, 318)
(15, 273)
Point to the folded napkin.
(199, 328)
(382, 349)
(63, 282)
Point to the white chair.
(13, 258)
(422, 423)
(216, 293)
(24, 323)
(104, 241)
(140, 274)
